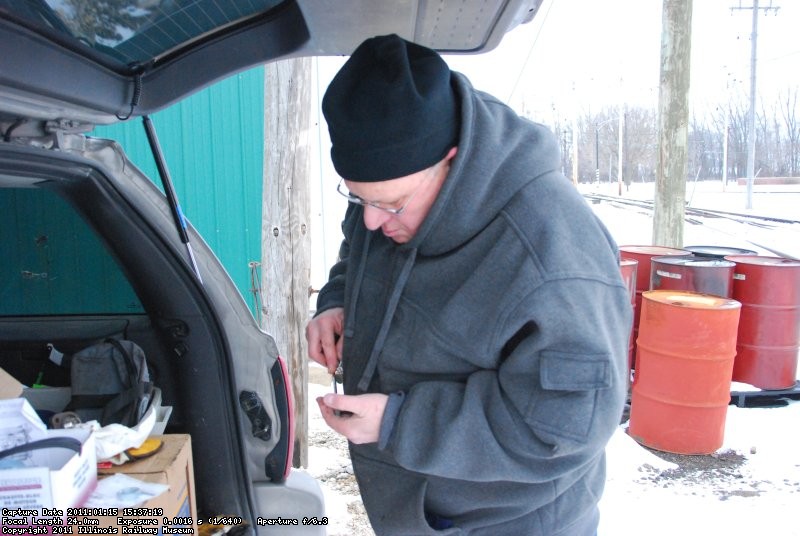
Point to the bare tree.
(777, 144)
(737, 138)
(705, 149)
(639, 142)
(766, 153)
(788, 105)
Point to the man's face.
(414, 193)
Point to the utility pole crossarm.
(755, 6)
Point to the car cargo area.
(90, 252)
(63, 291)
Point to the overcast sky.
(592, 53)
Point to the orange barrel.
(684, 362)
(718, 252)
(769, 331)
(642, 255)
(705, 275)
(628, 269)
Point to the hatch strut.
(169, 191)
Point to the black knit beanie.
(390, 110)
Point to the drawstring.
(372, 362)
(349, 328)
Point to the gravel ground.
(719, 470)
(330, 465)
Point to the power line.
(530, 52)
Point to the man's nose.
(374, 217)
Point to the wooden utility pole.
(673, 97)
(285, 234)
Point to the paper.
(112, 440)
(19, 424)
(123, 491)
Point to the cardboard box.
(9, 386)
(172, 465)
(51, 477)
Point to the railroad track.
(784, 230)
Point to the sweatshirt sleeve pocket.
(561, 371)
(565, 406)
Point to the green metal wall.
(213, 143)
(48, 254)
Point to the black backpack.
(110, 383)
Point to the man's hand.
(363, 423)
(324, 336)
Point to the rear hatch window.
(130, 32)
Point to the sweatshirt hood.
(496, 158)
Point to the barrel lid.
(693, 300)
(653, 250)
(763, 260)
(691, 260)
(718, 251)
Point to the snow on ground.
(753, 489)
(750, 486)
(631, 227)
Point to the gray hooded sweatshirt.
(500, 332)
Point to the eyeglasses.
(394, 211)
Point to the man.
(477, 308)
